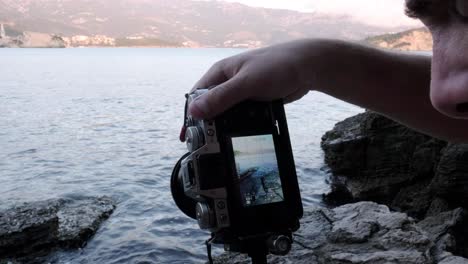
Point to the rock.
(414, 199)
(448, 231)
(451, 177)
(35, 229)
(79, 220)
(438, 225)
(28, 228)
(438, 205)
(453, 260)
(374, 157)
(368, 233)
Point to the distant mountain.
(197, 23)
(411, 40)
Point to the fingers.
(295, 96)
(214, 76)
(219, 99)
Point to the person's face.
(448, 22)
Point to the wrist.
(310, 56)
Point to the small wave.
(154, 166)
(147, 182)
(147, 154)
(50, 161)
(172, 221)
(24, 152)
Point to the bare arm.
(394, 84)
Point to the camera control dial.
(205, 216)
(194, 138)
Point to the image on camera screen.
(257, 168)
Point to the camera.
(238, 179)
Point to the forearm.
(393, 84)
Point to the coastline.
(124, 47)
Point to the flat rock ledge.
(33, 230)
(369, 233)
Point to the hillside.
(190, 23)
(411, 40)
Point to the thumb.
(219, 99)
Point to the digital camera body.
(239, 178)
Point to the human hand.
(265, 74)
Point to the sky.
(375, 12)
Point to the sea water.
(100, 122)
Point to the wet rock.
(28, 228)
(35, 229)
(365, 233)
(79, 220)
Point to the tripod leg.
(258, 258)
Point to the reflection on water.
(106, 122)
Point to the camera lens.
(186, 204)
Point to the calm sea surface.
(106, 122)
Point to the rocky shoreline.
(29, 232)
(373, 158)
(369, 233)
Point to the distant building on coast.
(85, 41)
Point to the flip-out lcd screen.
(257, 169)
